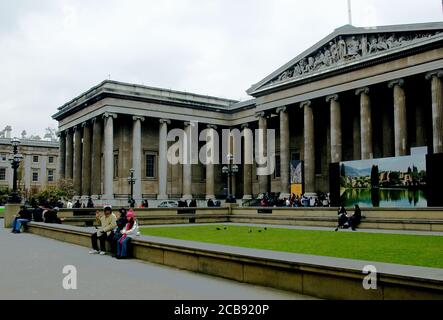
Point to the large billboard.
(398, 182)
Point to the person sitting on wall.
(69, 205)
(355, 220)
(342, 218)
(121, 223)
(193, 203)
(50, 216)
(128, 233)
(108, 221)
(90, 203)
(211, 203)
(22, 218)
(37, 214)
(77, 205)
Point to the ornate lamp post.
(15, 160)
(230, 170)
(131, 181)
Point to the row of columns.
(363, 147)
(81, 161)
(362, 132)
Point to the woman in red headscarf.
(128, 232)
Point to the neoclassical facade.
(38, 168)
(359, 93)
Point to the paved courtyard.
(31, 268)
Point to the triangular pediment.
(350, 45)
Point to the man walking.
(108, 222)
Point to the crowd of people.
(37, 213)
(295, 201)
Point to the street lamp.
(15, 160)
(230, 170)
(131, 181)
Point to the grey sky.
(52, 50)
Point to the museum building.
(360, 93)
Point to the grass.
(2, 209)
(416, 250)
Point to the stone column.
(437, 110)
(365, 124)
(336, 134)
(28, 171)
(96, 165)
(309, 151)
(69, 154)
(163, 160)
(211, 160)
(62, 156)
(137, 156)
(86, 167)
(78, 160)
(187, 163)
(263, 180)
(108, 156)
(248, 159)
(400, 119)
(284, 152)
(44, 172)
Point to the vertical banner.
(434, 179)
(297, 177)
(334, 184)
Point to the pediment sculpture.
(345, 49)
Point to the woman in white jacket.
(128, 232)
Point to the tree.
(375, 177)
(66, 186)
(52, 194)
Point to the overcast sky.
(53, 50)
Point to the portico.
(357, 94)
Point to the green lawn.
(2, 209)
(415, 250)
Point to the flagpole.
(350, 12)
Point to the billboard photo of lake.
(398, 182)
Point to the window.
(50, 175)
(51, 159)
(35, 176)
(150, 165)
(35, 159)
(3, 157)
(115, 166)
(2, 174)
(277, 172)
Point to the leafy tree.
(66, 186)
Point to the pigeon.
(218, 229)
